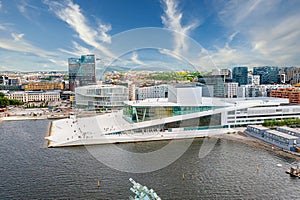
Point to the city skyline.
(42, 35)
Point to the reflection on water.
(31, 171)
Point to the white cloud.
(270, 32)
(2, 28)
(135, 59)
(172, 19)
(21, 8)
(17, 37)
(73, 16)
(77, 50)
(0, 5)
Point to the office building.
(157, 91)
(101, 97)
(290, 93)
(35, 86)
(268, 74)
(240, 75)
(82, 71)
(217, 81)
(225, 73)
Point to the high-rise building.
(268, 74)
(240, 75)
(82, 71)
(216, 81)
(292, 75)
(225, 73)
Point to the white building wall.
(185, 95)
(231, 90)
(35, 96)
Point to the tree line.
(4, 101)
(281, 122)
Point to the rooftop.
(100, 86)
(290, 129)
(280, 134)
(260, 127)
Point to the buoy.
(99, 183)
(257, 168)
(279, 165)
(182, 176)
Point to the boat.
(142, 192)
(294, 171)
(184, 114)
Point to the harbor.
(74, 172)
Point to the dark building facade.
(268, 74)
(240, 75)
(82, 71)
(214, 81)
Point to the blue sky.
(42, 35)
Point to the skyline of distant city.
(42, 35)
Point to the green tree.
(4, 102)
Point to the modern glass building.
(82, 71)
(214, 81)
(101, 97)
(268, 74)
(240, 75)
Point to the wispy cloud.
(29, 11)
(242, 10)
(0, 5)
(269, 30)
(17, 37)
(2, 28)
(71, 13)
(17, 43)
(21, 8)
(77, 50)
(170, 53)
(135, 59)
(172, 19)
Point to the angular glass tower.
(82, 71)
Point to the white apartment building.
(231, 90)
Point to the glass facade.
(240, 75)
(139, 114)
(82, 71)
(101, 97)
(216, 81)
(268, 74)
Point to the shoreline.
(254, 142)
